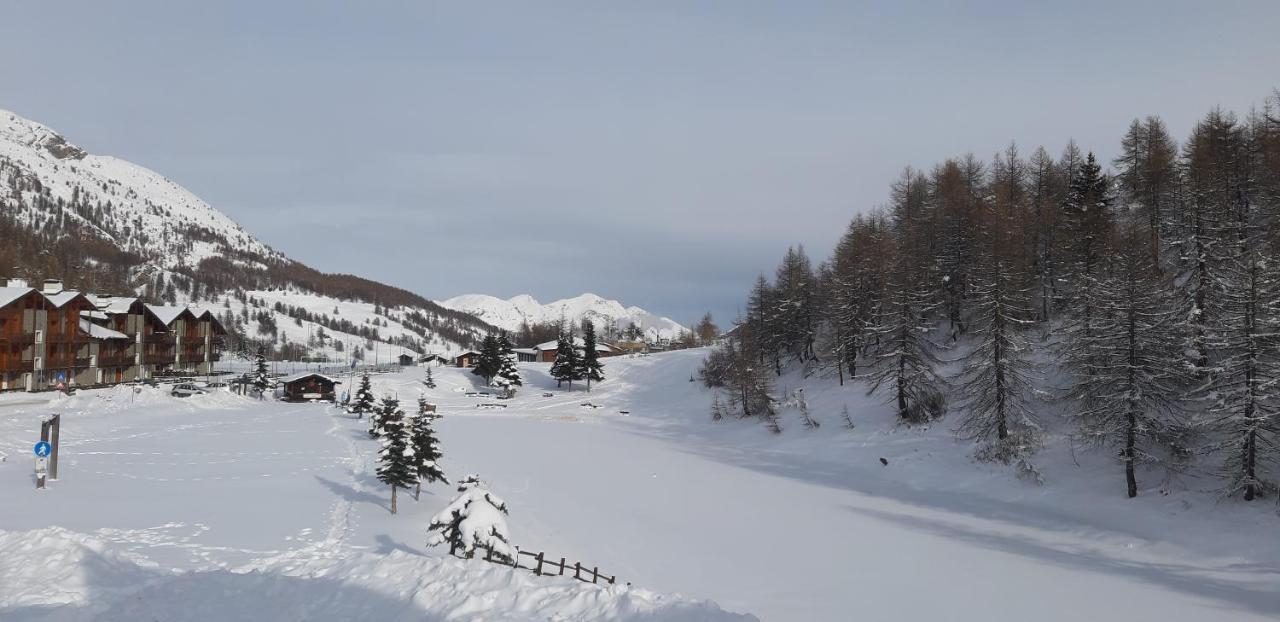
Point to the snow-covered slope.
(44, 178)
(509, 314)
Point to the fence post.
(538, 570)
(488, 556)
(595, 574)
(55, 430)
(561, 567)
(577, 568)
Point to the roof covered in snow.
(61, 299)
(114, 304)
(9, 294)
(100, 332)
(577, 343)
(166, 315)
(308, 374)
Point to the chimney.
(16, 283)
(52, 286)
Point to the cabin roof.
(100, 332)
(9, 295)
(307, 374)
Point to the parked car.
(186, 389)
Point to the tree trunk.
(393, 499)
(417, 490)
(1129, 447)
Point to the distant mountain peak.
(509, 314)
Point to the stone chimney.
(52, 286)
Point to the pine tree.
(397, 466)
(475, 519)
(261, 374)
(508, 373)
(364, 401)
(589, 366)
(717, 410)
(490, 360)
(848, 420)
(1246, 410)
(1128, 374)
(995, 383)
(426, 447)
(805, 416)
(430, 381)
(565, 367)
(905, 359)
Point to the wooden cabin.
(467, 359)
(407, 360)
(546, 352)
(309, 386)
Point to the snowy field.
(220, 507)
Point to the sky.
(659, 153)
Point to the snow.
(100, 332)
(166, 315)
(511, 313)
(10, 294)
(156, 212)
(172, 509)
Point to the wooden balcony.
(16, 367)
(25, 339)
(115, 360)
(158, 359)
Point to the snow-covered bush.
(476, 518)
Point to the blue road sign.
(42, 449)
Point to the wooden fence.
(542, 565)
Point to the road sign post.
(55, 431)
(42, 451)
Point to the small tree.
(565, 368)
(508, 374)
(717, 410)
(476, 518)
(426, 447)
(805, 416)
(589, 366)
(261, 376)
(364, 401)
(430, 381)
(397, 464)
(490, 359)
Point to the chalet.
(407, 360)
(546, 352)
(438, 359)
(308, 386)
(466, 359)
(20, 307)
(526, 355)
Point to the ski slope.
(219, 507)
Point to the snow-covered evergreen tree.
(995, 384)
(508, 374)
(1127, 361)
(475, 519)
(426, 447)
(430, 380)
(261, 373)
(565, 367)
(589, 366)
(363, 402)
(490, 359)
(905, 362)
(397, 465)
(1246, 380)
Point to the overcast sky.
(658, 153)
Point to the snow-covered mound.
(511, 313)
(44, 179)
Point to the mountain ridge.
(511, 313)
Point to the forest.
(1140, 298)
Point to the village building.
(309, 386)
(466, 359)
(546, 352)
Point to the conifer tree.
(475, 519)
(565, 367)
(490, 360)
(426, 447)
(261, 374)
(589, 366)
(905, 361)
(1128, 374)
(364, 402)
(397, 465)
(508, 374)
(430, 381)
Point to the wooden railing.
(542, 565)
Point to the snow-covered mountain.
(129, 230)
(48, 180)
(509, 314)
